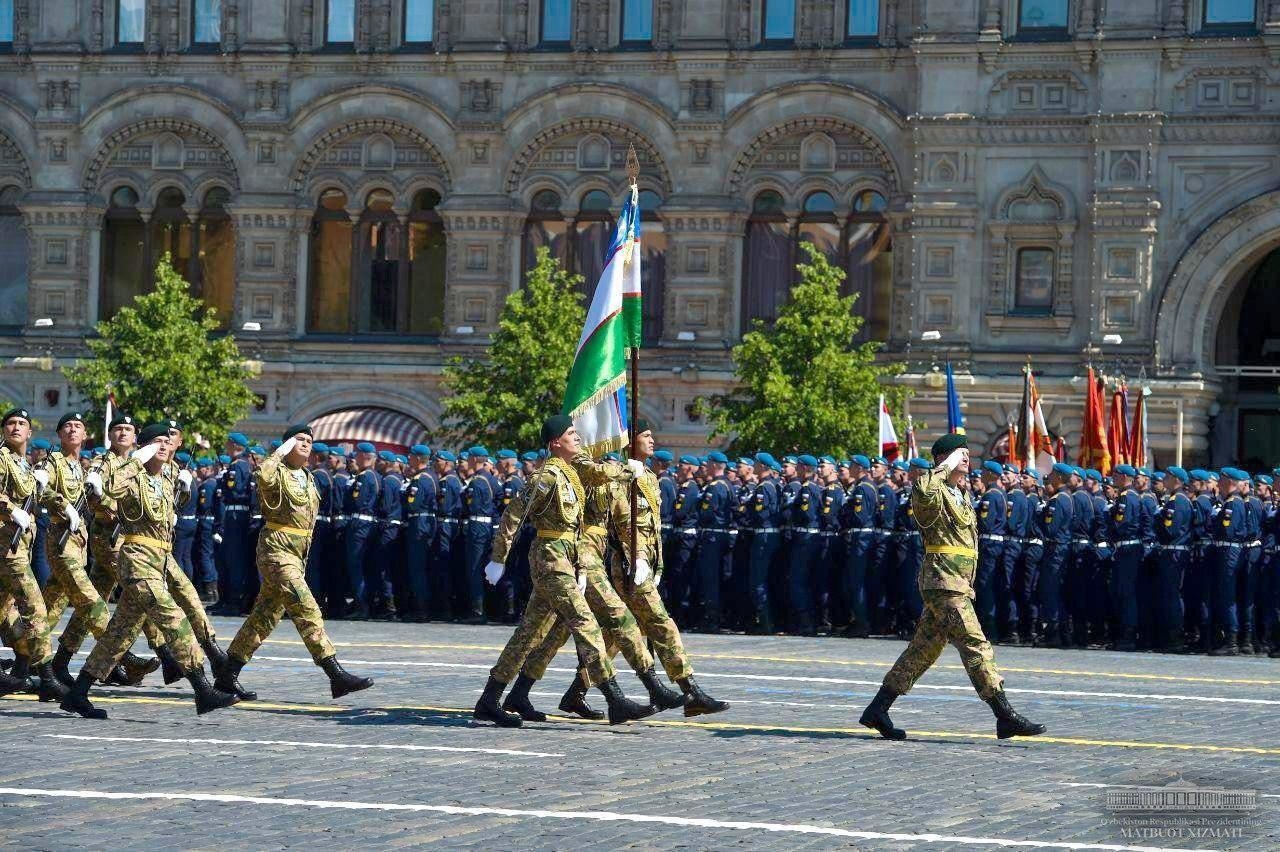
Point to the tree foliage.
(804, 384)
(160, 358)
(504, 398)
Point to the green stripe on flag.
(600, 366)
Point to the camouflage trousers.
(20, 593)
(185, 595)
(616, 621)
(103, 577)
(552, 567)
(69, 585)
(144, 596)
(283, 590)
(948, 617)
(655, 623)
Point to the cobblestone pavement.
(787, 767)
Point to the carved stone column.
(662, 26)
(230, 26)
(520, 34)
(95, 26)
(306, 33)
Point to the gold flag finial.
(633, 164)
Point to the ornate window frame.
(1047, 220)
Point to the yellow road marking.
(799, 730)
(879, 664)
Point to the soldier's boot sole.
(1006, 728)
(81, 707)
(524, 710)
(881, 724)
(490, 712)
(136, 668)
(580, 708)
(348, 685)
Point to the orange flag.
(1093, 437)
(1117, 431)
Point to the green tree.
(160, 358)
(804, 384)
(504, 398)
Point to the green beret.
(296, 429)
(153, 431)
(68, 418)
(15, 412)
(948, 444)
(642, 426)
(555, 426)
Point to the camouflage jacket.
(143, 502)
(648, 504)
(65, 488)
(16, 480)
(949, 528)
(289, 501)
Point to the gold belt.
(287, 529)
(951, 550)
(557, 536)
(595, 530)
(148, 541)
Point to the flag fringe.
(605, 390)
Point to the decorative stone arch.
(148, 198)
(1036, 189)
(1193, 299)
(876, 157)
(361, 127)
(13, 163)
(101, 161)
(552, 182)
(616, 132)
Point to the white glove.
(185, 478)
(147, 453)
(952, 461)
(493, 572)
(41, 476)
(286, 448)
(93, 479)
(20, 517)
(636, 467)
(217, 538)
(73, 518)
(173, 521)
(642, 572)
(582, 583)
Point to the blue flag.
(955, 420)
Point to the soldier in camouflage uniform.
(552, 501)
(18, 588)
(65, 498)
(144, 503)
(289, 500)
(950, 531)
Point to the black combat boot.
(136, 668)
(697, 702)
(341, 681)
(1128, 640)
(50, 689)
(77, 698)
(621, 708)
(117, 677)
(1244, 643)
(228, 680)
(169, 668)
(487, 708)
(1224, 644)
(1009, 722)
(660, 695)
(209, 595)
(61, 658)
(574, 702)
(876, 716)
(208, 696)
(217, 656)
(14, 680)
(518, 700)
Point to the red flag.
(1013, 445)
(1138, 448)
(1093, 437)
(888, 435)
(1035, 447)
(1117, 433)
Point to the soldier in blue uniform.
(1079, 575)
(1269, 590)
(187, 509)
(1099, 584)
(1250, 565)
(661, 462)
(736, 595)
(1016, 526)
(481, 495)
(1146, 574)
(336, 572)
(320, 552)
(448, 564)
(1230, 533)
(206, 564)
(830, 554)
(363, 579)
(858, 520)
(1173, 529)
(680, 587)
(419, 533)
(909, 552)
(388, 550)
(1129, 526)
(760, 527)
(1032, 553)
(715, 516)
(233, 534)
(879, 587)
(509, 589)
(1055, 529)
(993, 518)
(806, 532)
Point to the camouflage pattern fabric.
(69, 584)
(948, 617)
(20, 591)
(655, 623)
(185, 595)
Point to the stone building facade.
(1071, 180)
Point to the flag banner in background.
(955, 419)
(888, 435)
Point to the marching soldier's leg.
(264, 617)
(185, 595)
(923, 651)
(535, 667)
(538, 619)
(18, 588)
(69, 584)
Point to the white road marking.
(965, 688)
(1136, 787)
(594, 816)
(356, 746)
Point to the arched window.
(380, 245)
(214, 273)
(125, 261)
(329, 289)
(592, 233)
(169, 230)
(13, 262)
(545, 226)
(767, 268)
(653, 272)
(819, 227)
(426, 264)
(869, 263)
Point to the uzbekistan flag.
(596, 396)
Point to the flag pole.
(633, 175)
